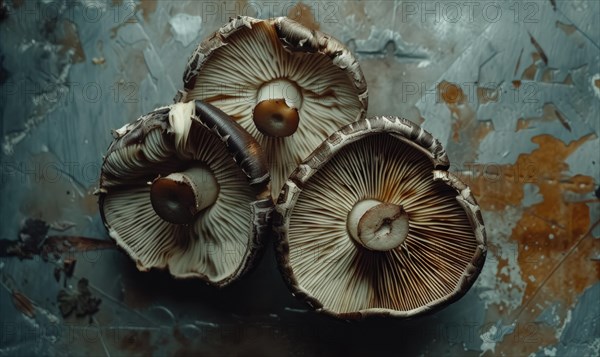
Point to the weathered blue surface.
(74, 70)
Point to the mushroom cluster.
(371, 223)
(185, 187)
(290, 87)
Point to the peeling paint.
(185, 28)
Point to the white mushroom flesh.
(179, 196)
(376, 225)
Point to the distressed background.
(512, 89)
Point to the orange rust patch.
(516, 83)
(544, 233)
(148, 7)
(302, 13)
(597, 83)
(465, 125)
(529, 72)
(70, 41)
(451, 93)
(567, 28)
(499, 186)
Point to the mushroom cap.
(393, 161)
(231, 68)
(224, 239)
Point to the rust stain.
(548, 75)
(465, 126)
(23, 304)
(70, 41)
(544, 233)
(516, 83)
(549, 113)
(451, 93)
(529, 72)
(568, 29)
(115, 30)
(148, 7)
(569, 80)
(303, 14)
(65, 244)
(522, 124)
(596, 83)
(499, 186)
(548, 230)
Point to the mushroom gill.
(172, 195)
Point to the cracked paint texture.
(512, 92)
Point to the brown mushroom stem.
(376, 225)
(276, 110)
(178, 197)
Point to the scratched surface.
(511, 89)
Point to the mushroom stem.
(376, 225)
(178, 197)
(276, 110)
(280, 89)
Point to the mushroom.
(185, 187)
(371, 223)
(288, 86)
